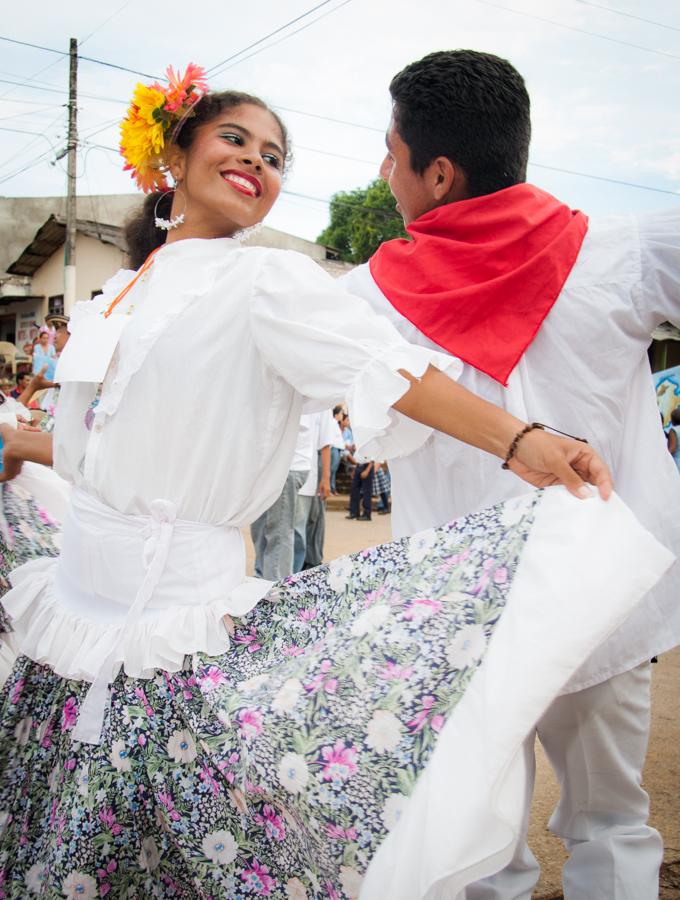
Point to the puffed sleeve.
(659, 300)
(329, 345)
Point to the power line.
(212, 69)
(23, 149)
(301, 112)
(284, 38)
(642, 187)
(31, 165)
(620, 12)
(92, 59)
(368, 162)
(29, 112)
(54, 90)
(385, 213)
(602, 37)
(105, 22)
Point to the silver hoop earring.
(176, 221)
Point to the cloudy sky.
(604, 77)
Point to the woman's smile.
(246, 184)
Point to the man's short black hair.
(470, 107)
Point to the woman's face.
(230, 175)
(44, 339)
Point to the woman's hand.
(543, 459)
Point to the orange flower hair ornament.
(153, 118)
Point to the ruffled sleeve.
(330, 345)
(659, 299)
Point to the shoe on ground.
(352, 517)
(364, 518)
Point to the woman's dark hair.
(470, 107)
(141, 234)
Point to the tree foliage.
(361, 220)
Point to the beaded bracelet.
(520, 434)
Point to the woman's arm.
(23, 446)
(541, 459)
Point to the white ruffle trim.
(75, 646)
(380, 432)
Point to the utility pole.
(72, 145)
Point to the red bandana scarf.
(479, 276)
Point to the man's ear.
(442, 174)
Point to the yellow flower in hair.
(142, 134)
(154, 112)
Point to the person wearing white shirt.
(273, 532)
(323, 430)
(553, 315)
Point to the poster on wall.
(667, 386)
(27, 329)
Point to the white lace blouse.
(224, 346)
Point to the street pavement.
(662, 772)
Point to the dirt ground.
(662, 772)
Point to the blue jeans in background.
(273, 532)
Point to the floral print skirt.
(277, 769)
(29, 531)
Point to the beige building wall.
(96, 262)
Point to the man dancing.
(552, 315)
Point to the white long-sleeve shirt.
(586, 373)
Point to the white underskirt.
(585, 567)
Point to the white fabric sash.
(108, 536)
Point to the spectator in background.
(317, 486)
(361, 493)
(382, 486)
(23, 379)
(347, 435)
(6, 387)
(337, 446)
(273, 532)
(48, 402)
(44, 354)
(673, 436)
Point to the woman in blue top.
(44, 354)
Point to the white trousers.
(596, 741)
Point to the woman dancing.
(160, 737)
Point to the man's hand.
(324, 490)
(543, 459)
(367, 471)
(39, 382)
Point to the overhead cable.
(212, 69)
(603, 37)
